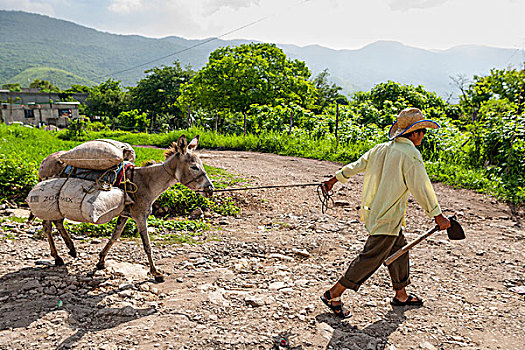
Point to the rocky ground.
(257, 278)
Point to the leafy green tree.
(77, 88)
(494, 110)
(382, 104)
(44, 86)
(133, 120)
(326, 93)
(158, 92)
(107, 99)
(77, 129)
(15, 87)
(277, 118)
(506, 84)
(236, 77)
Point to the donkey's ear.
(182, 144)
(194, 143)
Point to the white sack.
(80, 202)
(75, 199)
(43, 199)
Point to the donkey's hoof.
(159, 279)
(59, 262)
(101, 266)
(73, 253)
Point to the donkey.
(181, 165)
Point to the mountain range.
(36, 46)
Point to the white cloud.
(213, 6)
(403, 5)
(42, 7)
(437, 24)
(125, 6)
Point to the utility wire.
(199, 44)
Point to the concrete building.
(37, 108)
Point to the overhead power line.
(200, 43)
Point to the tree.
(107, 99)
(14, 87)
(236, 77)
(326, 94)
(77, 88)
(44, 86)
(158, 92)
(382, 104)
(496, 103)
(133, 120)
(500, 84)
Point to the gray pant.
(375, 252)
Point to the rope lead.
(324, 197)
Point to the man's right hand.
(326, 186)
(442, 222)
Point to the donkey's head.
(188, 168)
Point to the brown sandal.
(411, 301)
(338, 310)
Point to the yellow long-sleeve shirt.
(393, 170)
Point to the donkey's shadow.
(31, 293)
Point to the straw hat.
(408, 120)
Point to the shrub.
(181, 201)
(17, 177)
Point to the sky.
(337, 24)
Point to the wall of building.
(58, 114)
(37, 108)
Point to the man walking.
(393, 170)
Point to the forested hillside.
(31, 40)
(59, 77)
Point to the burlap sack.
(98, 154)
(51, 166)
(75, 199)
(43, 199)
(81, 201)
(128, 153)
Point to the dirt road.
(258, 277)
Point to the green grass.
(268, 142)
(12, 218)
(182, 227)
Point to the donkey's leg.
(48, 230)
(119, 227)
(143, 231)
(65, 235)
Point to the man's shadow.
(29, 294)
(374, 336)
